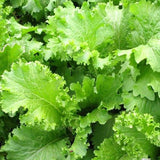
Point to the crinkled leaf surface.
(103, 91)
(78, 32)
(138, 134)
(110, 150)
(143, 105)
(143, 24)
(34, 87)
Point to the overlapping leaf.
(76, 32)
(8, 55)
(110, 150)
(138, 134)
(33, 143)
(35, 88)
(102, 92)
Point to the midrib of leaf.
(41, 98)
(54, 141)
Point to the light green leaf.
(33, 6)
(138, 134)
(150, 52)
(8, 55)
(143, 24)
(80, 144)
(97, 115)
(102, 92)
(32, 143)
(142, 105)
(3, 32)
(147, 83)
(107, 88)
(110, 150)
(78, 31)
(34, 87)
(17, 3)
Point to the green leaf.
(143, 24)
(32, 143)
(84, 91)
(83, 129)
(3, 32)
(80, 144)
(33, 6)
(8, 55)
(97, 115)
(150, 52)
(2, 157)
(103, 92)
(77, 42)
(100, 132)
(110, 150)
(33, 87)
(17, 3)
(142, 105)
(107, 88)
(6, 125)
(138, 134)
(17, 31)
(147, 83)
(38, 9)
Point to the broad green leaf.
(6, 125)
(3, 32)
(17, 31)
(77, 33)
(2, 157)
(32, 143)
(150, 52)
(143, 24)
(83, 129)
(107, 88)
(33, 87)
(38, 9)
(103, 91)
(102, 131)
(84, 91)
(8, 55)
(147, 83)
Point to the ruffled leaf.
(138, 134)
(33, 87)
(110, 150)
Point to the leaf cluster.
(79, 80)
